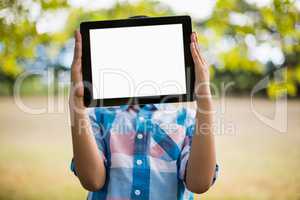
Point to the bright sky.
(47, 23)
(197, 9)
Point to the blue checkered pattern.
(145, 151)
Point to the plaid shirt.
(145, 151)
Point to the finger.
(76, 65)
(194, 39)
(195, 55)
(77, 48)
(78, 89)
(194, 50)
(76, 76)
(203, 61)
(201, 71)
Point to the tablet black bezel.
(86, 61)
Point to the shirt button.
(137, 192)
(140, 136)
(141, 118)
(139, 162)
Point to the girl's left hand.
(201, 68)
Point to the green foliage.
(276, 24)
(19, 37)
(236, 60)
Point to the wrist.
(204, 103)
(77, 111)
(202, 90)
(76, 104)
(204, 100)
(202, 86)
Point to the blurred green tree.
(18, 36)
(245, 25)
(231, 34)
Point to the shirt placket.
(141, 165)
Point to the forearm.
(202, 161)
(89, 164)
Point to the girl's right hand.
(76, 90)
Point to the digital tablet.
(137, 61)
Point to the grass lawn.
(256, 161)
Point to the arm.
(202, 162)
(90, 167)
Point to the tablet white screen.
(137, 61)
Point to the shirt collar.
(146, 107)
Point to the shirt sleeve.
(95, 115)
(189, 124)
